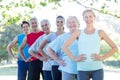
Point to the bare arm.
(73, 37)
(40, 49)
(55, 57)
(22, 47)
(114, 48)
(10, 46)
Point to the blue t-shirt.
(50, 38)
(25, 50)
(71, 66)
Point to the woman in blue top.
(60, 21)
(67, 66)
(22, 65)
(89, 61)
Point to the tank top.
(89, 44)
(25, 50)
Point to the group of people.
(60, 55)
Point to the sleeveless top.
(25, 50)
(89, 44)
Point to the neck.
(72, 31)
(60, 31)
(26, 32)
(36, 31)
(89, 27)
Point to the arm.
(21, 49)
(33, 50)
(55, 57)
(10, 46)
(114, 48)
(40, 49)
(73, 37)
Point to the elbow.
(48, 50)
(29, 51)
(116, 48)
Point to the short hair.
(60, 17)
(72, 17)
(33, 19)
(24, 22)
(46, 20)
(88, 10)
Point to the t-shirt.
(34, 48)
(71, 66)
(31, 38)
(25, 50)
(51, 37)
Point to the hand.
(61, 62)
(81, 57)
(97, 57)
(28, 59)
(16, 57)
(42, 58)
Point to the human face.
(89, 18)
(25, 28)
(60, 23)
(34, 24)
(45, 27)
(72, 24)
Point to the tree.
(6, 36)
(18, 10)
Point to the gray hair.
(47, 21)
(33, 19)
(72, 17)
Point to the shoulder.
(41, 32)
(101, 32)
(21, 34)
(51, 34)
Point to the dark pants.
(95, 75)
(56, 74)
(35, 68)
(47, 75)
(22, 70)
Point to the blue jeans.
(56, 74)
(22, 69)
(68, 76)
(47, 75)
(87, 75)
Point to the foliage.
(7, 35)
(18, 10)
(105, 48)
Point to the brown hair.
(88, 10)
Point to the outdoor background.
(13, 12)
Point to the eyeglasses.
(44, 25)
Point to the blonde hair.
(88, 10)
(72, 17)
